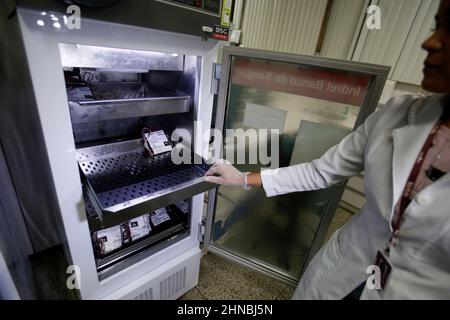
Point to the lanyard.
(405, 199)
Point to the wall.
(405, 24)
(282, 25)
(340, 37)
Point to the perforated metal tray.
(123, 182)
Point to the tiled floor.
(221, 279)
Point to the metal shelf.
(168, 230)
(124, 100)
(125, 252)
(146, 249)
(90, 111)
(122, 182)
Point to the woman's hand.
(225, 174)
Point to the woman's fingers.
(212, 171)
(214, 179)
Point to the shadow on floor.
(49, 271)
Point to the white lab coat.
(385, 147)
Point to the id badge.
(385, 268)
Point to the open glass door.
(277, 110)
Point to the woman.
(404, 229)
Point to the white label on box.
(158, 142)
(109, 239)
(183, 206)
(159, 216)
(139, 227)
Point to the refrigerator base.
(168, 282)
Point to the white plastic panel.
(167, 282)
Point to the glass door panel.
(276, 114)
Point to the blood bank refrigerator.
(90, 140)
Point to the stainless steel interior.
(112, 95)
(85, 56)
(123, 100)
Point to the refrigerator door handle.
(201, 232)
(215, 79)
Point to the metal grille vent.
(145, 295)
(173, 284)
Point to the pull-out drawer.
(123, 182)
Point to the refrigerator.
(116, 123)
